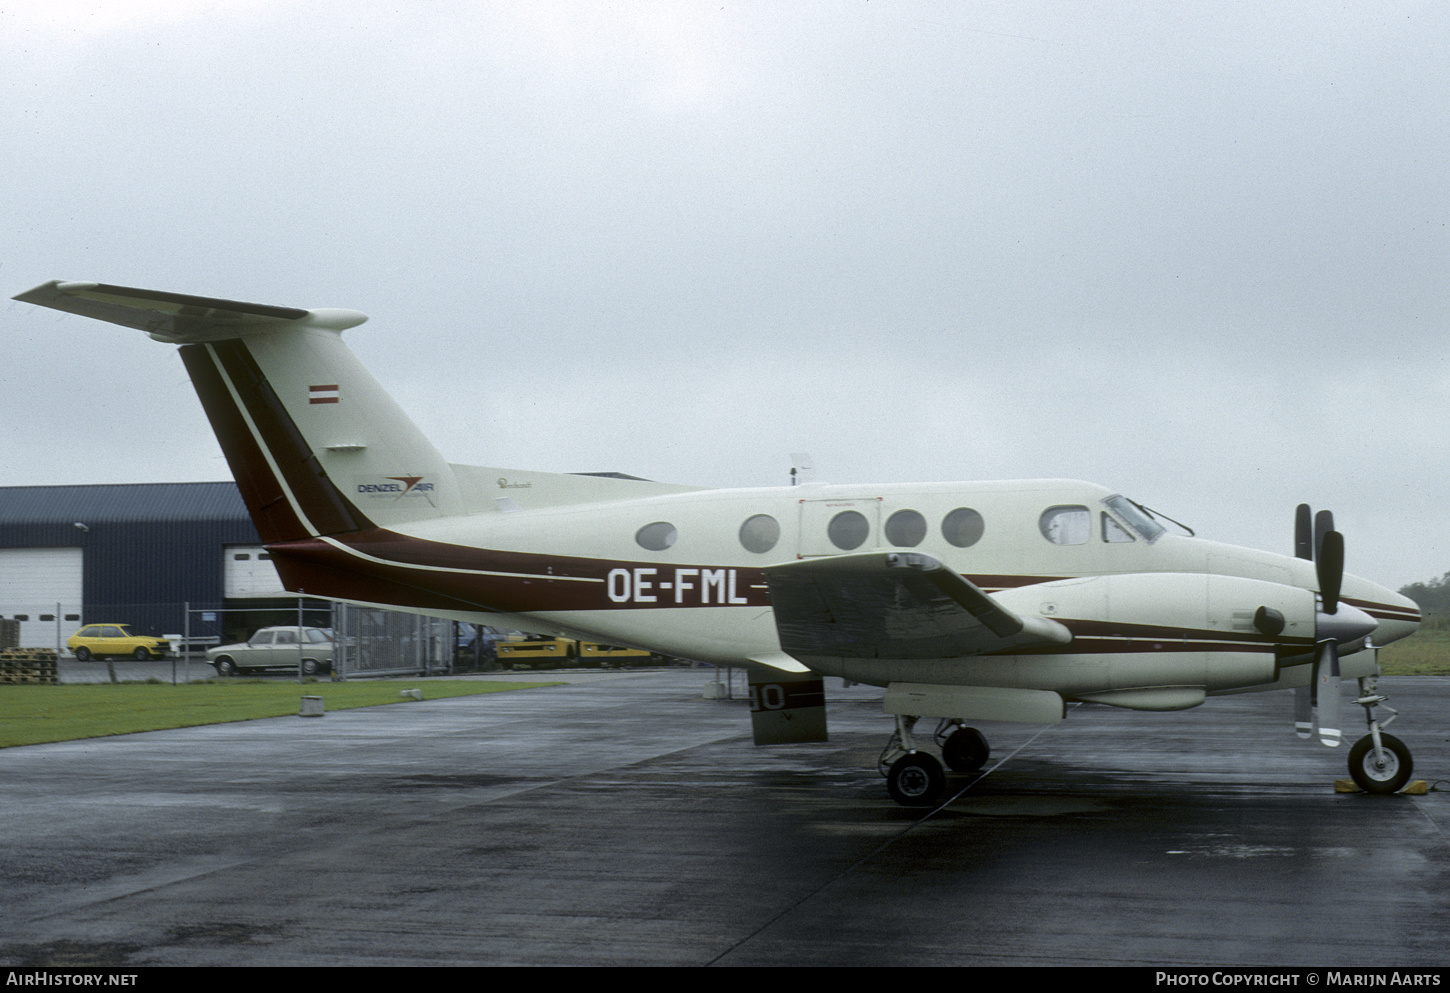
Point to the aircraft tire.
(916, 780)
(965, 750)
(1374, 779)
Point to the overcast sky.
(1196, 252)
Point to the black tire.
(916, 780)
(965, 750)
(1392, 776)
(225, 666)
(310, 667)
(141, 655)
(83, 654)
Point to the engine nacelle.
(1165, 634)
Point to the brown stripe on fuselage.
(1384, 611)
(485, 579)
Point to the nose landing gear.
(1378, 762)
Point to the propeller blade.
(1303, 533)
(1326, 693)
(1323, 524)
(1330, 566)
(1303, 711)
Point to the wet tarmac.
(624, 819)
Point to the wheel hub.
(915, 782)
(1385, 768)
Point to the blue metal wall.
(149, 548)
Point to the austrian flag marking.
(323, 394)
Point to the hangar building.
(132, 554)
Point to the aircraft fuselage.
(1170, 611)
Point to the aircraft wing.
(177, 317)
(898, 605)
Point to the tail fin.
(316, 445)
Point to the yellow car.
(100, 640)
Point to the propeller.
(1304, 533)
(1318, 703)
(1329, 564)
(1326, 696)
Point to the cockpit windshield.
(1135, 517)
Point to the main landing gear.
(1378, 762)
(916, 778)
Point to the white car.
(276, 648)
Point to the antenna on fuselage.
(802, 468)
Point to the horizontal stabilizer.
(893, 605)
(178, 317)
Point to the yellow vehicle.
(102, 640)
(592, 653)
(556, 653)
(533, 653)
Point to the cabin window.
(657, 536)
(1066, 525)
(963, 527)
(848, 530)
(759, 533)
(242, 557)
(905, 529)
(1113, 531)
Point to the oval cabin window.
(759, 533)
(657, 536)
(963, 527)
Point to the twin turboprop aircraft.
(967, 601)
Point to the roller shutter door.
(249, 572)
(32, 582)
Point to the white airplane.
(984, 601)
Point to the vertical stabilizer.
(315, 443)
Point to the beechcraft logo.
(329, 393)
(396, 488)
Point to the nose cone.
(1399, 617)
(1396, 616)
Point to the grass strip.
(1425, 653)
(33, 714)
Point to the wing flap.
(178, 317)
(893, 605)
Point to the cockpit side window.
(1066, 525)
(1139, 521)
(1114, 532)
